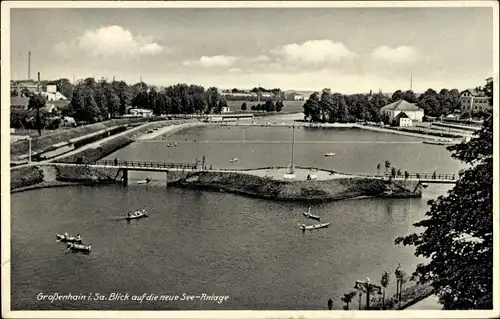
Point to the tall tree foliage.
(37, 102)
(458, 236)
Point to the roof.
(474, 92)
(19, 101)
(401, 105)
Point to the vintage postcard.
(250, 159)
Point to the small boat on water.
(147, 180)
(309, 215)
(425, 185)
(69, 239)
(137, 214)
(79, 247)
(317, 226)
(233, 160)
(330, 154)
(438, 142)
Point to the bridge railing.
(145, 164)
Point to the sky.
(349, 50)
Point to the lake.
(198, 242)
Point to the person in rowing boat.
(66, 235)
(78, 237)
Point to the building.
(225, 109)
(474, 101)
(30, 85)
(402, 120)
(51, 88)
(229, 117)
(53, 96)
(141, 112)
(298, 97)
(392, 110)
(19, 102)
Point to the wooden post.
(125, 177)
(166, 179)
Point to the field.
(289, 106)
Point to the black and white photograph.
(250, 159)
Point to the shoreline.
(266, 184)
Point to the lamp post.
(368, 288)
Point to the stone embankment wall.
(329, 190)
(238, 183)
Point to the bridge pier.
(124, 177)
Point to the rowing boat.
(308, 215)
(137, 214)
(330, 154)
(79, 247)
(147, 180)
(234, 160)
(68, 239)
(317, 226)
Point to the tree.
(384, 282)
(36, 102)
(410, 96)
(396, 96)
(269, 106)
(312, 108)
(279, 105)
(347, 298)
(393, 172)
(378, 169)
(430, 103)
(212, 97)
(458, 235)
(244, 106)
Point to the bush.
(25, 176)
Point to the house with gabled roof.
(412, 112)
(474, 101)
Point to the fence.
(144, 164)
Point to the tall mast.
(29, 65)
(411, 81)
(293, 143)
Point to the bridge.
(125, 166)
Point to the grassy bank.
(91, 155)
(42, 142)
(25, 176)
(85, 174)
(329, 190)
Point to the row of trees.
(93, 101)
(335, 107)
(268, 106)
